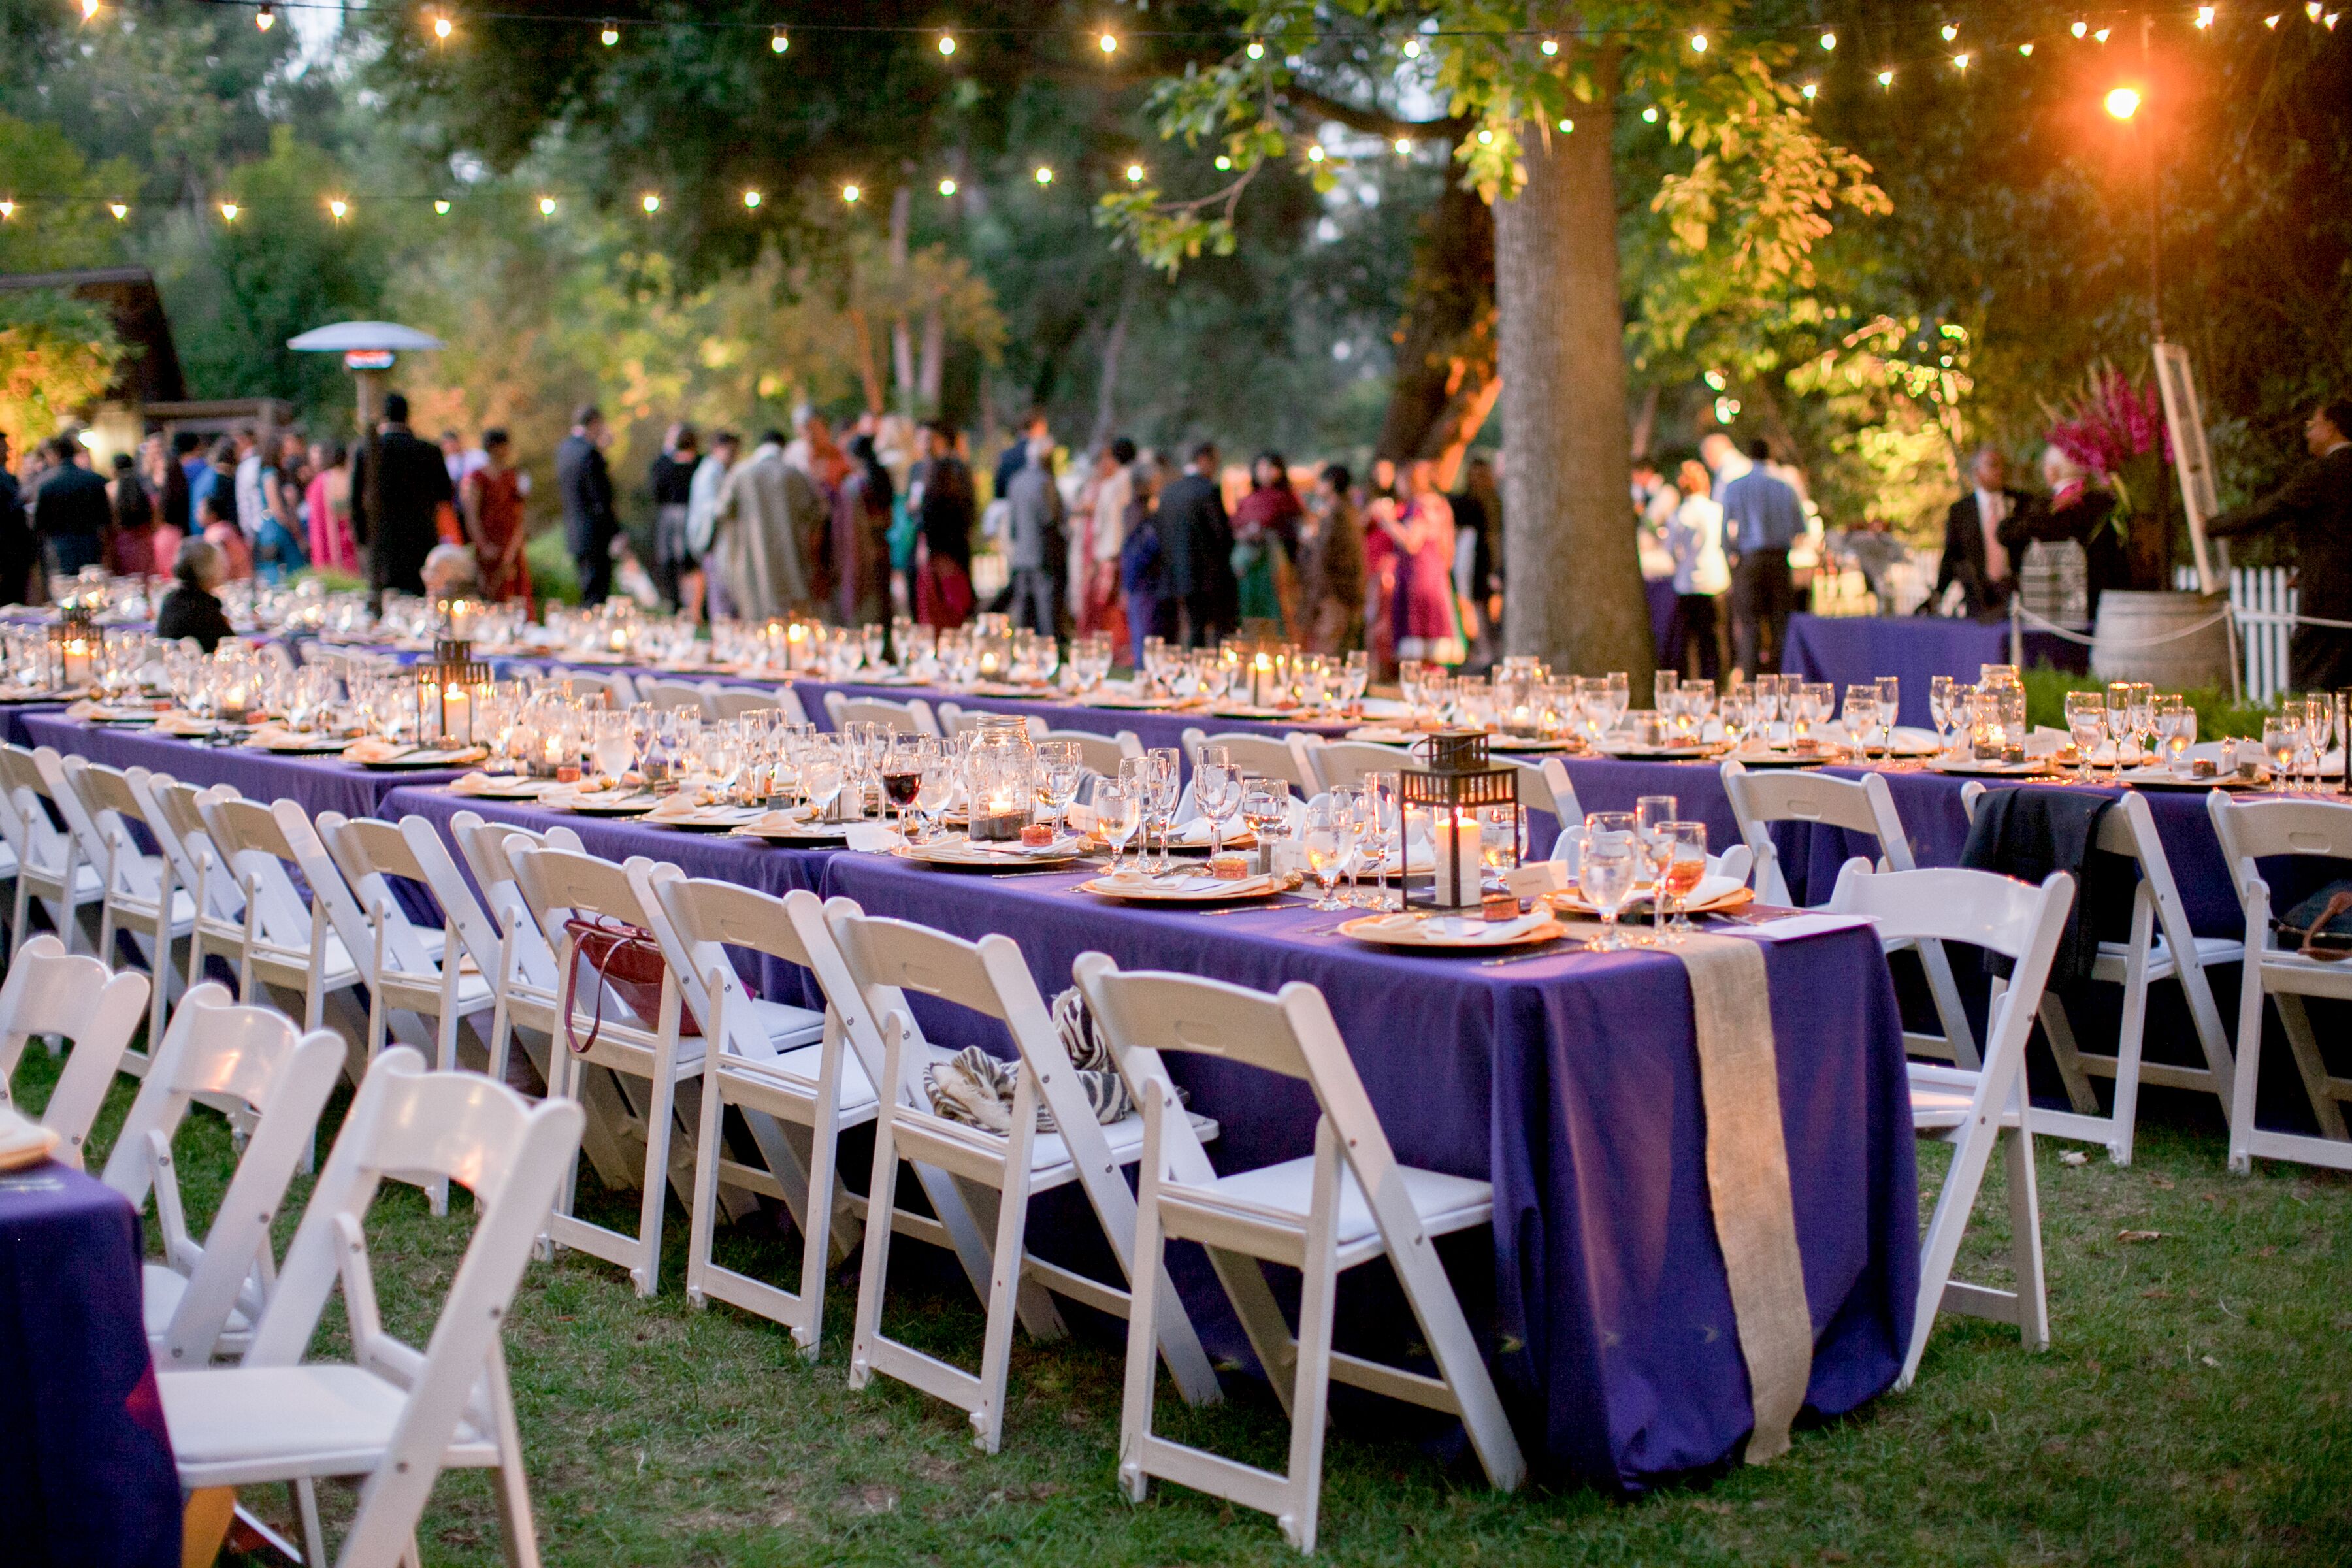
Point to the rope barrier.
(2044, 624)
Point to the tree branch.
(1372, 122)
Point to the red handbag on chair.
(628, 960)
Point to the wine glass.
(2169, 712)
(1738, 713)
(1328, 839)
(1164, 778)
(2319, 722)
(1939, 709)
(1217, 790)
(936, 789)
(1861, 717)
(2119, 716)
(1617, 697)
(821, 771)
(1118, 812)
(1063, 770)
(901, 768)
(1651, 814)
(2086, 722)
(1685, 869)
(2278, 750)
(1355, 678)
(611, 747)
(1604, 874)
(1384, 822)
(1890, 706)
(1664, 688)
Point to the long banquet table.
(1846, 649)
(320, 784)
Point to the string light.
(2272, 21)
(2102, 34)
(611, 33)
(849, 193)
(1962, 60)
(2080, 28)
(1812, 91)
(1951, 31)
(1699, 43)
(119, 209)
(89, 10)
(1485, 138)
(1829, 40)
(1108, 42)
(1134, 174)
(547, 207)
(2123, 102)
(2025, 50)
(229, 212)
(1256, 50)
(947, 43)
(266, 16)
(651, 203)
(2310, 9)
(8, 210)
(1412, 48)
(1045, 175)
(442, 26)
(1886, 79)
(2204, 17)
(1404, 146)
(946, 187)
(441, 208)
(337, 208)
(779, 42)
(1223, 163)
(1568, 128)
(1650, 115)
(751, 198)
(2330, 19)
(1551, 45)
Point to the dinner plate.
(505, 789)
(1130, 887)
(2162, 778)
(1505, 743)
(604, 803)
(1660, 753)
(710, 819)
(1972, 769)
(431, 758)
(811, 836)
(961, 855)
(1775, 759)
(1452, 933)
(1252, 711)
(307, 746)
(1131, 704)
(1713, 895)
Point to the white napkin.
(480, 783)
(22, 1140)
(374, 749)
(1795, 926)
(182, 724)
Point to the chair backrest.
(617, 690)
(39, 846)
(913, 717)
(52, 992)
(1147, 1015)
(59, 789)
(333, 893)
(889, 958)
(1342, 764)
(2255, 830)
(366, 851)
(1564, 804)
(1101, 754)
(172, 816)
(697, 919)
(1857, 805)
(112, 806)
(254, 1056)
(459, 906)
(724, 702)
(1287, 757)
(250, 840)
(685, 696)
(487, 848)
(407, 1122)
(17, 769)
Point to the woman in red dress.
(493, 498)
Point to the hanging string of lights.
(1959, 57)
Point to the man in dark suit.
(395, 511)
(18, 549)
(1196, 545)
(585, 483)
(2316, 509)
(1983, 534)
(1015, 457)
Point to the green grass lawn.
(2196, 1407)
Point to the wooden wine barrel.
(2139, 637)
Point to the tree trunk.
(902, 337)
(928, 378)
(1106, 389)
(1445, 338)
(1575, 597)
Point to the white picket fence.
(2264, 601)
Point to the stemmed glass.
(1861, 717)
(1768, 705)
(2119, 717)
(1164, 779)
(2086, 722)
(1685, 869)
(2319, 724)
(1940, 709)
(821, 776)
(1652, 813)
(1355, 678)
(1890, 708)
(1384, 821)
(1217, 790)
(1266, 806)
(1330, 840)
(1664, 689)
(936, 789)
(1604, 873)
(612, 750)
(1118, 812)
(2278, 741)
(1063, 770)
(2170, 712)
(1617, 697)
(1738, 711)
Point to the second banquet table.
(318, 783)
(1570, 1080)
(1850, 649)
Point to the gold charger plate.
(1452, 933)
(1189, 890)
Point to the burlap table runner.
(1748, 1180)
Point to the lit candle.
(77, 662)
(457, 715)
(1454, 846)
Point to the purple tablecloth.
(318, 783)
(13, 716)
(86, 1471)
(1850, 648)
(1572, 1082)
(1660, 593)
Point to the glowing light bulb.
(1045, 176)
(1568, 128)
(8, 210)
(2272, 21)
(946, 187)
(2102, 34)
(1223, 162)
(1315, 154)
(947, 43)
(2025, 50)
(119, 209)
(849, 193)
(443, 28)
(2079, 28)
(1951, 31)
(266, 17)
(1812, 91)
(229, 212)
(88, 10)
(441, 208)
(1107, 43)
(1886, 79)
(611, 33)
(1256, 50)
(2123, 102)
(1699, 43)
(1404, 146)
(2312, 9)
(1412, 48)
(651, 203)
(1134, 174)
(2204, 16)
(1650, 115)
(779, 42)
(337, 208)
(751, 198)
(1829, 40)
(1960, 60)
(1551, 45)
(1485, 138)
(547, 207)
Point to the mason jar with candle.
(1001, 776)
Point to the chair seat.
(2115, 955)
(138, 910)
(787, 1026)
(88, 883)
(1443, 1204)
(1938, 1108)
(1049, 1158)
(247, 1425)
(161, 1289)
(797, 1069)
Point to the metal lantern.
(1454, 785)
(75, 641)
(448, 692)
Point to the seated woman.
(450, 572)
(190, 610)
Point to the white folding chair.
(391, 1414)
(144, 898)
(617, 690)
(796, 1097)
(2252, 831)
(2160, 947)
(284, 940)
(1289, 757)
(956, 719)
(1348, 1203)
(1972, 1108)
(591, 1025)
(1343, 764)
(725, 702)
(52, 992)
(50, 865)
(886, 958)
(912, 717)
(1858, 805)
(685, 696)
(202, 1299)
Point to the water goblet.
(1606, 862)
(1685, 869)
